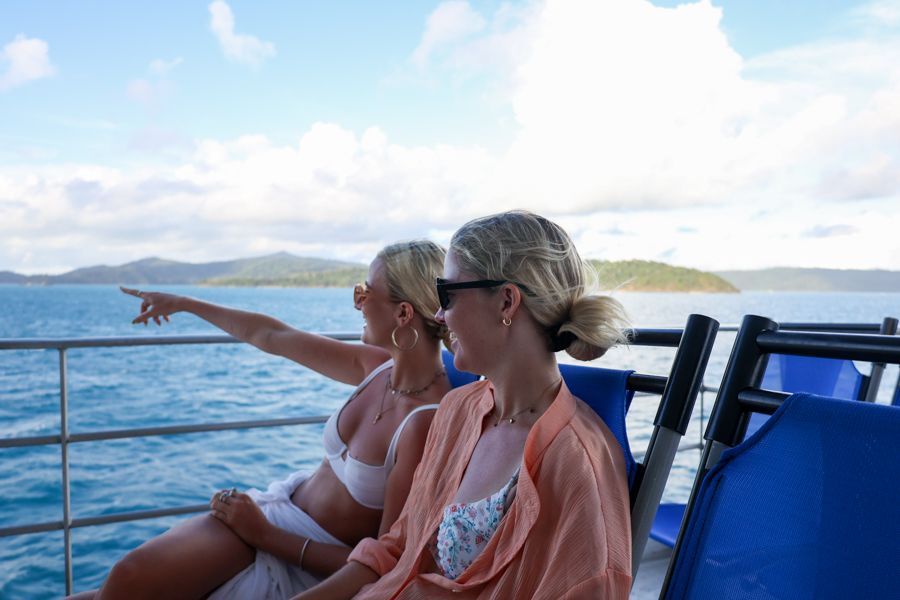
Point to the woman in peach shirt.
(522, 490)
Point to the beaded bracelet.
(303, 551)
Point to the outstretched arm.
(347, 363)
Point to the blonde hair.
(558, 288)
(410, 269)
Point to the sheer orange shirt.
(567, 534)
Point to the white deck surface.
(651, 572)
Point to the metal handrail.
(64, 438)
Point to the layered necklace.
(528, 409)
(388, 387)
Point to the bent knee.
(131, 577)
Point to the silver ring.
(224, 495)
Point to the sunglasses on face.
(361, 293)
(444, 287)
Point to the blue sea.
(119, 388)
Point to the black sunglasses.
(444, 286)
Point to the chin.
(459, 359)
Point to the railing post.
(64, 450)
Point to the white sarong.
(270, 578)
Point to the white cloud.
(239, 197)
(638, 127)
(449, 23)
(162, 67)
(881, 12)
(153, 91)
(239, 47)
(23, 60)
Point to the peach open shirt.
(567, 534)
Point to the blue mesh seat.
(791, 373)
(821, 376)
(808, 506)
(456, 377)
(606, 392)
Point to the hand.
(154, 305)
(241, 514)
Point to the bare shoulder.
(371, 357)
(417, 426)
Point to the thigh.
(188, 561)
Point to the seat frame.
(678, 392)
(868, 391)
(739, 394)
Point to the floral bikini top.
(466, 529)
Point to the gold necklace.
(396, 391)
(530, 409)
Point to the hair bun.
(561, 341)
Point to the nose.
(439, 316)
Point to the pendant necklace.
(529, 409)
(401, 392)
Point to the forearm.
(346, 583)
(319, 558)
(250, 327)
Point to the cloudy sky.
(712, 134)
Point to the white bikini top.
(366, 483)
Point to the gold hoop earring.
(507, 321)
(411, 346)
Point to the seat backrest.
(808, 507)
(794, 509)
(823, 376)
(606, 392)
(813, 375)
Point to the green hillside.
(649, 276)
(274, 269)
(345, 277)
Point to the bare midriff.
(324, 498)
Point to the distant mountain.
(10, 277)
(263, 270)
(784, 279)
(649, 276)
(286, 270)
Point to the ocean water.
(117, 388)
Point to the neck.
(416, 368)
(526, 384)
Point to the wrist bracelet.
(303, 551)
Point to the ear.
(404, 313)
(511, 298)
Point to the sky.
(716, 134)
